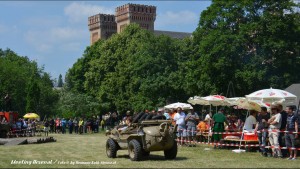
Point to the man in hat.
(275, 124)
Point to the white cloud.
(47, 40)
(176, 18)
(80, 11)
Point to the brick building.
(102, 26)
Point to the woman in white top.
(250, 122)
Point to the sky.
(55, 33)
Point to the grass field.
(76, 151)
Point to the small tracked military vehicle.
(143, 137)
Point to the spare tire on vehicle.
(143, 117)
(149, 117)
(137, 117)
(158, 117)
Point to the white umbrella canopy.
(184, 106)
(248, 104)
(192, 101)
(233, 101)
(216, 100)
(198, 100)
(273, 95)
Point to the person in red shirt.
(57, 125)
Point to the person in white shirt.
(250, 122)
(179, 119)
(275, 124)
(208, 119)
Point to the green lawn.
(89, 148)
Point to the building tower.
(143, 15)
(101, 26)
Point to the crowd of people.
(275, 127)
(72, 125)
(21, 127)
(278, 127)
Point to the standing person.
(97, 122)
(172, 115)
(19, 127)
(24, 127)
(282, 129)
(262, 127)
(291, 126)
(167, 115)
(76, 126)
(63, 124)
(208, 118)
(58, 125)
(33, 125)
(275, 123)
(70, 124)
(85, 123)
(46, 127)
(52, 123)
(106, 121)
(114, 120)
(80, 124)
(179, 118)
(191, 120)
(88, 125)
(218, 125)
(102, 124)
(29, 129)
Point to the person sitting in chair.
(128, 122)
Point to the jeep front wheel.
(172, 152)
(134, 150)
(111, 148)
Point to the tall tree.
(60, 81)
(33, 97)
(251, 43)
(27, 84)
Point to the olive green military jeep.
(142, 138)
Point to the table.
(243, 143)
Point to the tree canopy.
(29, 87)
(252, 43)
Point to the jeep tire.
(134, 150)
(172, 152)
(111, 148)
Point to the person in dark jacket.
(70, 124)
